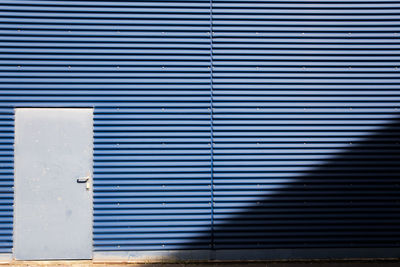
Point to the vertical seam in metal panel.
(13, 111)
(211, 128)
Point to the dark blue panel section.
(306, 124)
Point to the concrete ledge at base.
(5, 258)
(245, 255)
(276, 257)
(152, 256)
(298, 263)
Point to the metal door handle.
(85, 180)
(82, 180)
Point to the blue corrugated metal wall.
(144, 66)
(300, 90)
(6, 178)
(192, 130)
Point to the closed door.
(53, 205)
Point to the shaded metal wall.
(306, 123)
(204, 112)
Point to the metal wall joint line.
(211, 125)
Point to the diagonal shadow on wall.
(350, 201)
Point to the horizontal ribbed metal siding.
(306, 97)
(6, 178)
(295, 86)
(144, 67)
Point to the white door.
(53, 195)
